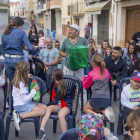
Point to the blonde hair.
(98, 59)
(133, 120)
(21, 73)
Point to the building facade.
(4, 12)
(127, 20)
(29, 13)
(15, 8)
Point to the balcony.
(76, 9)
(44, 7)
(55, 4)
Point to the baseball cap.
(90, 124)
(136, 76)
(75, 26)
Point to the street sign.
(42, 21)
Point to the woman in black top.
(33, 37)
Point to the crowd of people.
(105, 64)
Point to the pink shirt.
(41, 41)
(93, 75)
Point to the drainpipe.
(115, 24)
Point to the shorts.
(22, 109)
(99, 103)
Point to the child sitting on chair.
(130, 98)
(98, 79)
(61, 95)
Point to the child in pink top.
(98, 79)
(41, 44)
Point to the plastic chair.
(120, 118)
(35, 120)
(40, 71)
(73, 135)
(2, 114)
(89, 93)
(70, 82)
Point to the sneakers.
(17, 120)
(41, 135)
(7, 105)
(110, 114)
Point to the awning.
(96, 8)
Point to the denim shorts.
(10, 65)
(22, 109)
(99, 103)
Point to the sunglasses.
(132, 130)
(56, 45)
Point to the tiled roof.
(14, 3)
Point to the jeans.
(10, 66)
(87, 37)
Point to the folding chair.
(35, 120)
(2, 114)
(70, 82)
(120, 118)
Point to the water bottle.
(59, 106)
(33, 66)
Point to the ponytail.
(8, 29)
(62, 89)
(17, 21)
(98, 59)
(102, 66)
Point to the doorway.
(132, 22)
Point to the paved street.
(27, 129)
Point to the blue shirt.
(49, 56)
(12, 43)
(27, 57)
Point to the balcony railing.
(76, 8)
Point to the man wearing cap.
(74, 39)
(91, 127)
(130, 98)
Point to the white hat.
(75, 26)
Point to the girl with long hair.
(12, 41)
(33, 36)
(132, 53)
(98, 79)
(59, 94)
(24, 107)
(131, 57)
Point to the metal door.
(103, 27)
(2, 19)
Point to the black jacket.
(67, 99)
(32, 40)
(121, 67)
